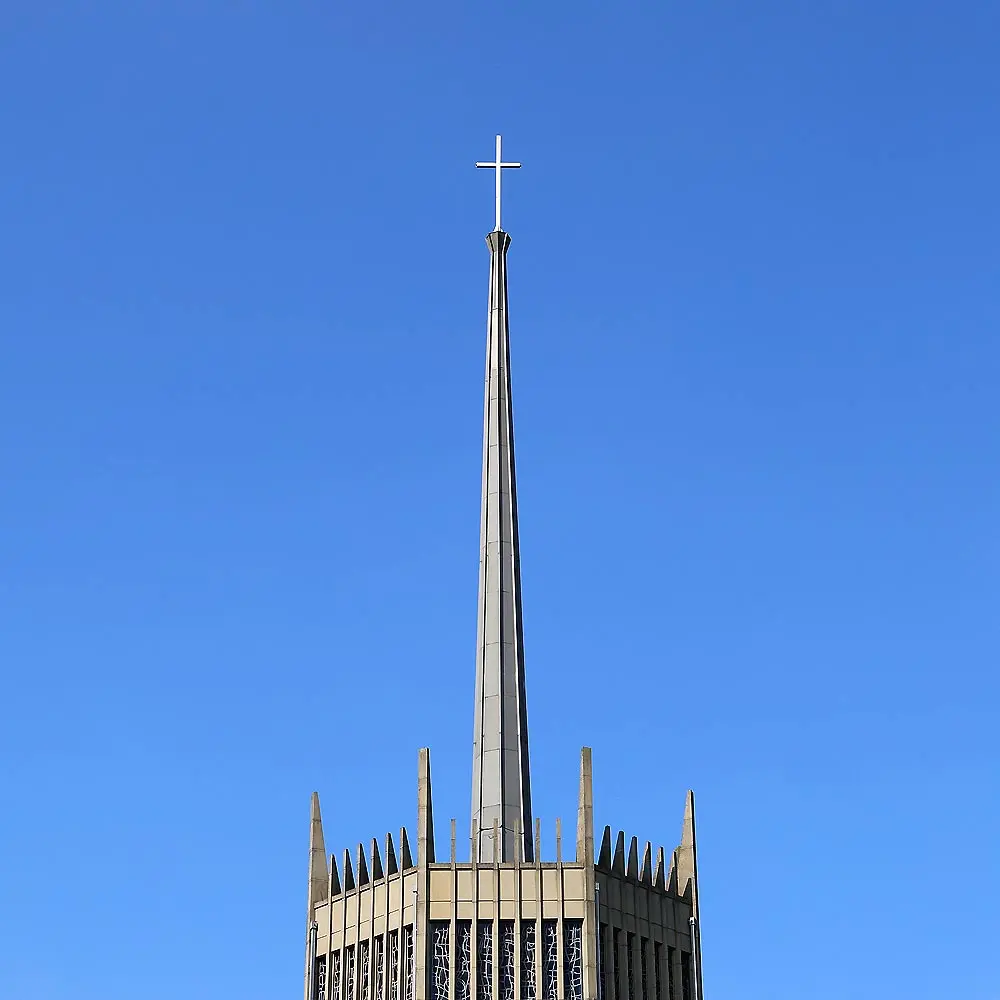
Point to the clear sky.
(754, 287)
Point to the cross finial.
(498, 166)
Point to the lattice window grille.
(528, 953)
(349, 968)
(407, 962)
(320, 977)
(393, 965)
(484, 960)
(573, 959)
(508, 960)
(440, 959)
(463, 960)
(335, 977)
(550, 960)
(364, 968)
(379, 990)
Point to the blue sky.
(754, 279)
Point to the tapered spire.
(501, 788)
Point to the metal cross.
(498, 167)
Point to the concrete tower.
(503, 925)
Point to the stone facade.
(395, 928)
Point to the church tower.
(503, 923)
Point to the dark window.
(319, 979)
(440, 959)
(686, 991)
(630, 964)
(643, 966)
(572, 959)
(657, 971)
(616, 940)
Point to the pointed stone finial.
(618, 861)
(390, 856)
(405, 858)
(687, 856)
(604, 859)
(348, 872)
(363, 878)
(585, 811)
(659, 875)
(646, 871)
(632, 868)
(377, 873)
(319, 874)
(425, 810)
(335, 889)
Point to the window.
(550, 960)
(319, 978)
(508, 961)
(463, 959)
(407, 963)
(335, 978)
(573, 959)
(658, 970)
(616, 940)
(379, 990)
(441, 960)
(393, 966)
(484, 960)
(528, 955)
(363, 977)
(630, 964)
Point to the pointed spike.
(672, 875)
(646, 871)
(659, 875)
(425, 810)
(687, 856)
(632, 868)
(363, 878)
(319, 874)
(585, 811)
(348, 872)
(390, 856)
(618, 862)
(334, 876)
(604, 858)
(377, 873)
(405, 858)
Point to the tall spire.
(501, 788)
